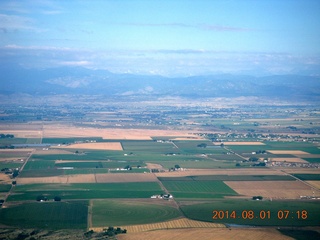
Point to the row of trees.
(6, 135)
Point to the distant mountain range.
(78, 80)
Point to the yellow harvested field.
(95, 146)
(22, 150)
(297, 160)
(80, 178)
(241, 143)
(207, 234)
(173, 224)
(199, 172)
(293, 152)
(125, 177)
(60, 131)
(316, 184)
(271, 189)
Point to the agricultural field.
(46, 215)
(109, 174)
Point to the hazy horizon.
(168, 38)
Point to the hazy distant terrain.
(78, 80)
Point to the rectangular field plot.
(197, 163)
(308, 177)
(198, 189)
(149, 147)
(271, 189)
(198, 147)
(118, 213)
(86, 190)
(261, 213)
(95, 145)
(46, 215)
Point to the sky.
(169, 38)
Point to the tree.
(253, 159)
(176, 166)
(57, 199)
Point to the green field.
(119, 213)
(46, 215)
(295, 217)
(308, 177)
(85, 190)
(5, 187)
(230, 178)
(198, 189)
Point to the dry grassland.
(271, 189)
(241, 143)
(207, 234)
(60, 131)
(95, 146)
(316, 184)
(293, 152)
(298, 160)
(199, 172)
(125, 177)
(23, 133)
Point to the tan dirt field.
(293, 152)
(125, 177)
(271, 189)
(20, 151)
(298, 160)
(316, 184)
(56, 131)
(241, 143)
(4, 178)
(207, 234)
(95, 146)
(199, 172)
(23, 133)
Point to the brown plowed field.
(95, 146)
(126, 177)
(198, 172)
(271, 189)
(207, 234)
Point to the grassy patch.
(46, 215)
(198, 189)
(119, 213)
(308, 177)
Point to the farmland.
(108, 173)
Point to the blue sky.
(170, 38)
